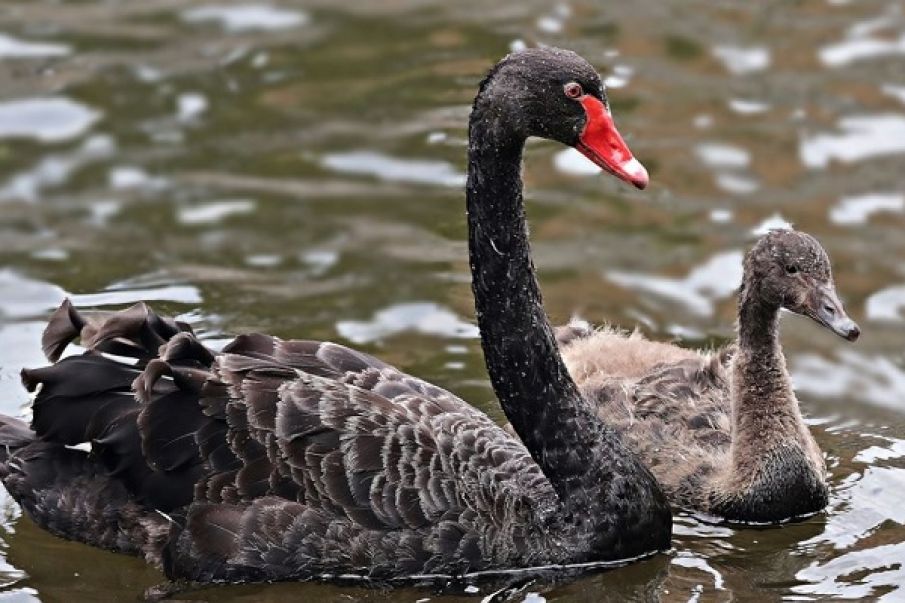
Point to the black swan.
(722, 431)
(279, 460)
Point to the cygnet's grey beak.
(826, 309)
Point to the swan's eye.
(792, 269)
(573, 90)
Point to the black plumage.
(280, 460)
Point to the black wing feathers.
(277, 458)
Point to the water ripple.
(417, 317)
(236, 18)
(861, 137)
(15, 48)
(51, 119)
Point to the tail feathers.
(142, 427)
(136, 332)
(64, 325)
(72, 391)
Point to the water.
(296, 167)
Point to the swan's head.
(556, 94)
(792, 270)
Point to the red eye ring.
(573, 90)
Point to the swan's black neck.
(537, 394)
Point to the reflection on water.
(424, 318)
(45, 119)
(214, 211)
(748, 107)
(858, 210)
(872, 38)
(15, 48)
(394, 169)
(723, 155)
(297, 167)
(571, 161)
(740, 61)
(246, 17)
(862, 137)
(56, 169)
(715, 279)
(190, 106)
(872, 379)
(897, 92)
(886, 304)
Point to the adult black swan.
(277, 460)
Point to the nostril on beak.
(853, 333)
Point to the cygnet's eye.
(792, 269)
(573, 90)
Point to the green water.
(297, 168)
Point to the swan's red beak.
(601, 143)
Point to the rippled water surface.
(296, 167)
